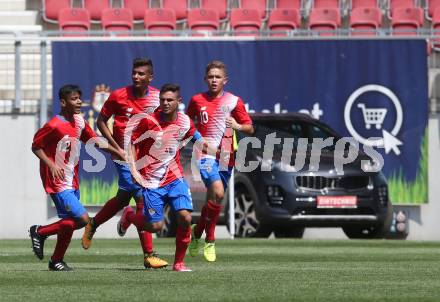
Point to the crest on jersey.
(100, 95)
(181, 132)
(148, 109)
(151, 211)
(226, 109)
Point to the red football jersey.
(158, 146)
(59, 139)
(211, 114)
(123, 105)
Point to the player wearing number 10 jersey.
(217, 113)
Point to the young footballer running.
(124, 103)
(217, 113)
(157, 139)
(57, 146)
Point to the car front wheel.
(246, 221)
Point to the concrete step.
(28, 92)
(13, 5)
(7, 77)
(18, 17)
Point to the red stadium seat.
(406, 21)
(363, 3)
(259, 5)
(220, 6)
(95, 8)
(245, 22)
(431, 6)
(74, 20)
(325, 4)
(52, 8)
(117, 19)
(324, 19)
(288, 4)
(203, 20)
(160, 21)
(365, 20)
(283, 20)
(138, 8)
(180, 8)
(395, 4)
(436, 26)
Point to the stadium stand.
(406, 21)
(245, 22)
(288, 4)
(259, 5)
(96, 8)
(365, 20)
(323, 20)
(51, 9)
(180, 8)
(363, 3)
(138, 8)
(160, 21)
(74, 20)
(117, 19)
(220, 6)
(430, 7)
(203, 20)
(397, 4)
(283, 20)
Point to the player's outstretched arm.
(101, 122)
(56, 171)
(245, 128)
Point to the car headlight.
(271, 165)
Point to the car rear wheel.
(169, 223)
(289, 232)
(246, 221)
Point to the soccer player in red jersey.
(156, 166)
(124, 103)
(217, 114)
(57, 146)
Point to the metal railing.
(25, 58)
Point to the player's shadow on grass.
(122, 269)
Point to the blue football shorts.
(177, 194)
(125, 181)
(68, 204)
(210, 171)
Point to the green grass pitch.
(246, 270)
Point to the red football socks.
(212, 213)
(183, 237)
(200, 227)
(109, 210)
(145, 237)
(137, 219)
(50, 229)
(65, 231)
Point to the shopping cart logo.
(375, 117)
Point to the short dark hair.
(170, 87)
(143, 62)
(67, 90)
(215, 64)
